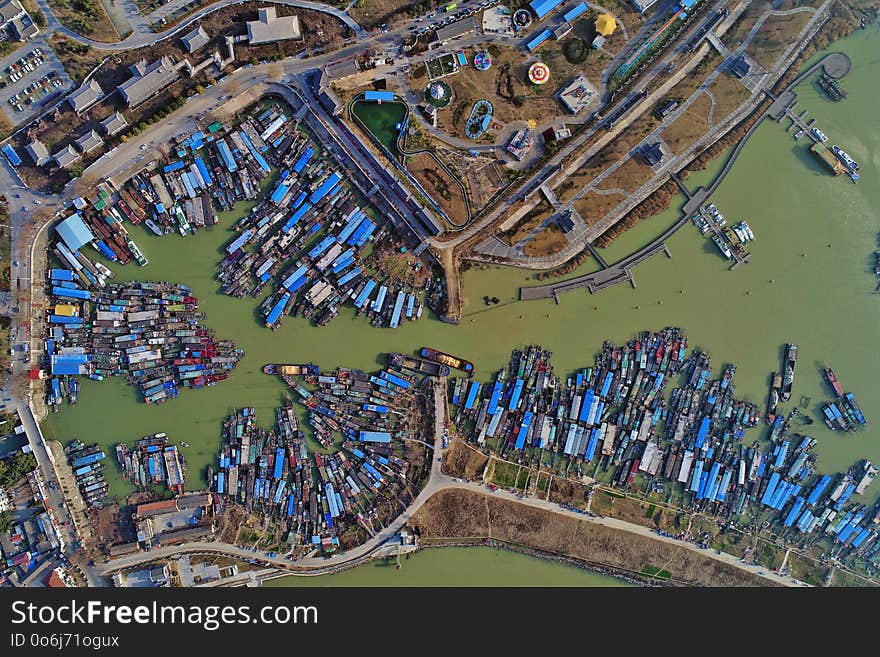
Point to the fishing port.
(318, 501)
(611, 424)
(842, 414)
(86, 461)
(311, 237)
(148, 333)
(151, 462)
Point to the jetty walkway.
(835, 64)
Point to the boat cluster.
(86, 462)
(152, 461)
(148, 332)
(317, 498)
(613, 422)
(308, 240)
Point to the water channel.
(810, 281)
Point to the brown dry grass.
(531, 220)
(774, 37)
(629, 176)
(592, 207)
(465, 514)
(439, 184)
(689, 126)
(729, 94)
(462, 461)
(549, 241)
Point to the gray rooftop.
(66, 156)
(269, 27)
(89, 141)
(25, 27)
(195, 40)
(148, 80)
(86, 96)
(38, 152)
(113, 123)
(9, 9)
(341, 70)
(457, 29)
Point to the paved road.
(142, 36)
(437, 482)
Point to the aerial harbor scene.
(546, 293)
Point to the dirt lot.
(774, 37)
(464, 514)
(462, 461)
(439, 184)
(86, 17)
(689, 126)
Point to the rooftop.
(341, 70)
(86, 96)
(89, 141)
(113, 123)
(195, 40)
(9, 9)
(66, 156)
(269, 27)
(38, 152)
(74, 232)
(146, 81)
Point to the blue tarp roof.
(540, 38)
(74, 232)
(575, 11)
(544, 7)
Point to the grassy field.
(689, 126)
(775, 35)
(86, 17)
(729, 94)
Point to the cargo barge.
(291, 370)
(446, 359)
(791, 352)
(429, 367)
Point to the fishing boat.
(153, 226)
(432, 368)
(791, 352)
(832, 380)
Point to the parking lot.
(18, 80)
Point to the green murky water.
(476, 566)
(382, 120)
(820, 297)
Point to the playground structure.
(539, 73)
(482, 60)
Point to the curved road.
(138, 39)
(436, 482)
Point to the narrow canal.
(810, 281)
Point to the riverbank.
(843, 22)
(458, 514)
(459, 567)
